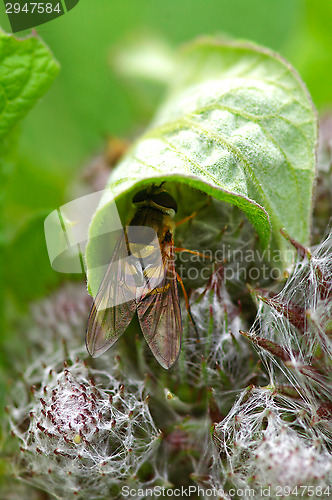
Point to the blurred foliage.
(310, 50)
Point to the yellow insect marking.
(77, 439)
(169, 394)
(141, 251)
(150, 272)
(161, 289)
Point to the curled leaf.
(239, 125)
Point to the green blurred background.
(90, 101)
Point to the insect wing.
(115, 304)
(159, 314)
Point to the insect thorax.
(154, 218)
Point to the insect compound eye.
(141, 196)
(164, 199)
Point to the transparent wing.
(115, 303)
(159, 314)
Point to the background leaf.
(238, 124)
(27, 69)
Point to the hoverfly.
(146, 283)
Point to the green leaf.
(239, 125)
(27, 69)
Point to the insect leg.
(181, 249)
(189, 217)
